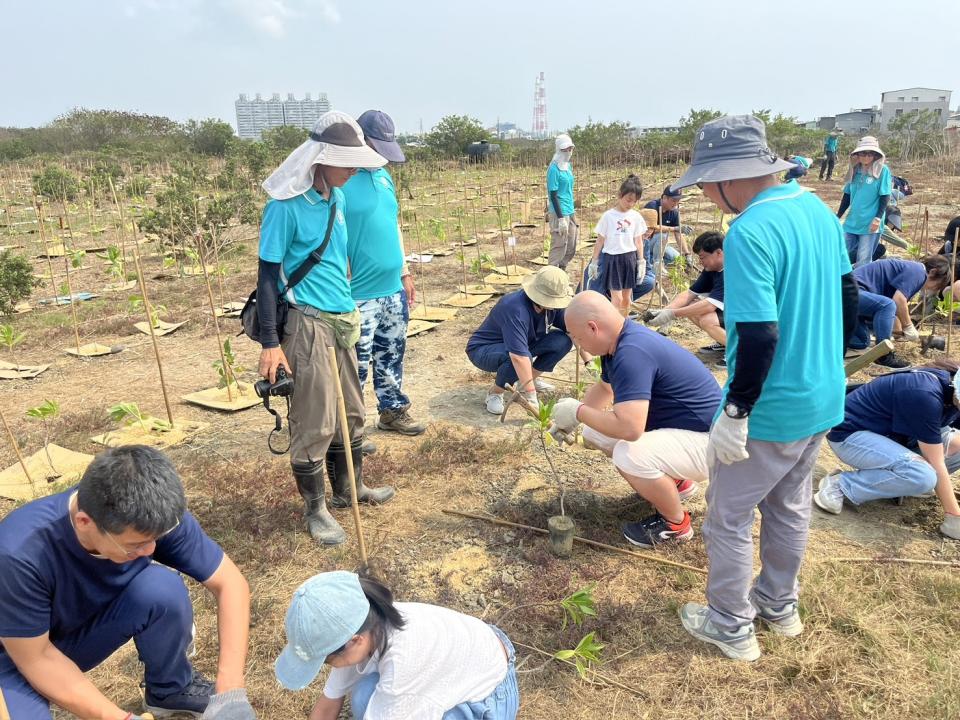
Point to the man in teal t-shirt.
(830, 146)
(380, 282)
(789, 298)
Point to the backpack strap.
(314, 257)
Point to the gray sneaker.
(950, 526)
(783, 620)
(740, 644)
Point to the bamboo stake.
(16, 448)
(153, 334)
(227, 371)
(903, 561)
(420, 263)
(345, 439)
(953, 272)
(577, 538)
(877, 351)
(66, 265)
(123, 222)
(38, 208)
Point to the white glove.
(910, 333)
(560, 436)
(593, 269)
(565, 414)
(662, 318)
(563, 224)
(728, 440)
(531, 397)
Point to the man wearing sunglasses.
(86, 570)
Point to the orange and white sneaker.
(687, 488)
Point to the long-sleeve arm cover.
(268, 291)
(756, 344)
(850, 294)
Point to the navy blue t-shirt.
(903, 406)
(670, 218)
(885, 277)
(49, 583)
(709, 283)
(515, 323)
(645, 365)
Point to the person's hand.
(560, 436)
(229, 705)
(270, 360)
(563, 224)
(662, 318)
(910, 333)
(728, 440)
(875, 225)
(410, 289)
(593, 269)
(564, 414)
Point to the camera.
(283, 387)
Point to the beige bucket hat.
(549, 287)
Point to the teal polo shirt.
(373, 244)
(865, 191)
(561, 181)
(783, 259)
(291, 230)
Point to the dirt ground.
(880, 639)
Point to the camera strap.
(278, 425)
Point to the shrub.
(55, 182)
(16, 281)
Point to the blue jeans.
(502, 704)
(154, 610)
(885, 468)
(670, 253)
(383, 339)
(874, 311)
(546, 351)
(861, 248)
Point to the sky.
(645, 63)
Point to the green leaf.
(47, 409)
(564, 654)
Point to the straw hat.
(549, 287)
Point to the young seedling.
(136, 304)
(228, 367)
(584, 656)
(579, 605)
(481, 265)
(677, 273)
(130, 414)
(438, 230)
(10, 338)
(540, 426)
(114, 259)
(45, 412)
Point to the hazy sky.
(647, 63)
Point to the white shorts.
(680, 454)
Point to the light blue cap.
(326, 611)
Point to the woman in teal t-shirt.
(866, 192)
(564, 230)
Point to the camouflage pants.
(383, 341)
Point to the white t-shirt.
(620, 230)
(439, 659)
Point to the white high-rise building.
(255, 116)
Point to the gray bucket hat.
(733, 147)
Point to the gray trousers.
(777, 478)
(563, 246)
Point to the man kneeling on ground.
(523, 336)
(703, 302)
(84, 571)
(663, 402)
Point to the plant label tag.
(512, 241)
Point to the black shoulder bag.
(250, 321)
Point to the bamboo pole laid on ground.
(577, 538)
(16, 447)
(348, 451)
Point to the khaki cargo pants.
(313, 406)
(563, 246)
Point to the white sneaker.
(829, 496)
(495, 403)
(951, 526)
(543, 385)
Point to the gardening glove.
(910, 333)
(565, 415)
(560, 436)
(728, 440)
(229, 705)
(531, 397)
(662, 318)
(563, 225)
(593, 269)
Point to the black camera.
(283, 387)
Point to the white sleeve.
(600, 229)
(641, 226)
(387, 706)
(340, 681)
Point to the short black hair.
(631, 185)
(132, 486)
(708, 242)
(938, 268)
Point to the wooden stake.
(16, 448)
(123, 223)
(420, 263)
(227, 371)
(953, 272)
(66, 265)
(345, 439)
(577, 538)
(904, 561)
(38, 208)
(153, 334)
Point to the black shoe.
(191, 700)
(322, 526)
(656, 530)
(721, 363)
(340, 478)
(714, 348)
(892, 360)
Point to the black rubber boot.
(340, 479)
(321, 524)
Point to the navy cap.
(378, 128)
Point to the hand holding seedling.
(565, 421)
(662, 318)
(270, 360)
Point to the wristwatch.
(732, 410)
